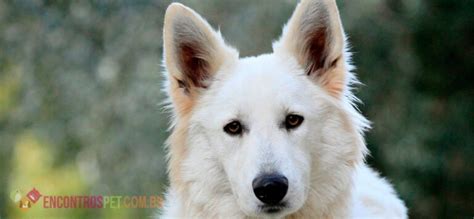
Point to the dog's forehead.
(262, 76)
(267, 81)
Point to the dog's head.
(279, 127)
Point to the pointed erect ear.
(314, 36)
(193, 51)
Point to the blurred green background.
(80, 95)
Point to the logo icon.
(33, 195)
(15, 195)
(25, 202)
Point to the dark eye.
(233, 128)
(293, 121)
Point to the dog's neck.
(339, 208)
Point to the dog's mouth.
(273, 209)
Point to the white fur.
(211, 172)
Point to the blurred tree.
(415, 58)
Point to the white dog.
(272, 136)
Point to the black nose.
(270, 188)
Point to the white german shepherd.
(272, 136)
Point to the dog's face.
(274, 124)
(262, 122)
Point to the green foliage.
(80, 95)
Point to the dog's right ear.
(193, 54)
(314, 36)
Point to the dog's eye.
(293, 121)
(233, 128)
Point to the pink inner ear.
(316, 50)
(194, 68)
(330, 75)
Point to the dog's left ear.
(314, 36)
